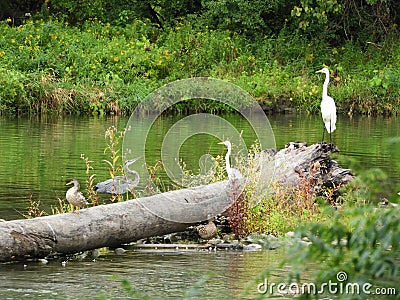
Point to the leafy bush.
(12, 91)
(362, 242)
(109, 69)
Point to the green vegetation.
(361, 241)
(355, 237)
(113, 55)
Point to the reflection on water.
(167, 275)
(39, 155)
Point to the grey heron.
(120, 184)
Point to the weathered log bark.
(114, 224)
(109, 225)
(297, 162)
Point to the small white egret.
(233, 174)
(328, 107)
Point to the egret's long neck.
(325, 86)
(228, 164)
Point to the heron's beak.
(319, 71)
(71, 182)
(131, 161)
(221, 143)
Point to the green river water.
(39, 155)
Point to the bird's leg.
(330, 133)
(323, 132)
(73, 208)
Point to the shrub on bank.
(106, 69)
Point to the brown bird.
(74, 196)
(207, 231)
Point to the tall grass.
(106, 69)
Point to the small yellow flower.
(12, 41)
(9, 20)
(21, 47)
(36, 48)
(116, 59)
(2, 53)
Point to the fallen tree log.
(296, 163)
(115, 224)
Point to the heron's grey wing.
(118, 185)
(104, 186)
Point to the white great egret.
(328, 107)
(233, 174)
(74, 196)
(120, 184)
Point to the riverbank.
(107, 69)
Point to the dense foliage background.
(339, 19)
(104, 56)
